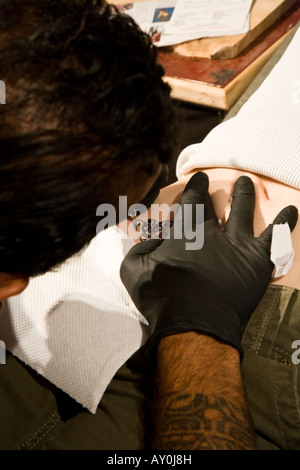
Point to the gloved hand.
(213, 290)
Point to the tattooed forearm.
(200, 404)
(196, 421)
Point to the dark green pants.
(272, 379)
(36, 415)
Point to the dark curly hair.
(87, 117)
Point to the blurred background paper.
(2, 93)
(172, 22)
(210, 17)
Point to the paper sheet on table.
(209, 16)
(171, 22)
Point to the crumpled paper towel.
(77, 325)
(282, 252)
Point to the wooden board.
(219, 83)
(264, 13)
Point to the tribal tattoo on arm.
(198, 421)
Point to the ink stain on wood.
(223, 76)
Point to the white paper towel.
(282, 253)
(77, 325)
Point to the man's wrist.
(201, 402)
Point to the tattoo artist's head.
(87, 118)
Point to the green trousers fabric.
(272, 376)
(34, 414)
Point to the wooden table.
(218, 83)
(214, 72)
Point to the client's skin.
(271, 197)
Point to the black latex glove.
(214, 289)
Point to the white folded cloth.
(264, 136)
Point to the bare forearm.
(201, 403)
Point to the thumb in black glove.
(214, 289)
